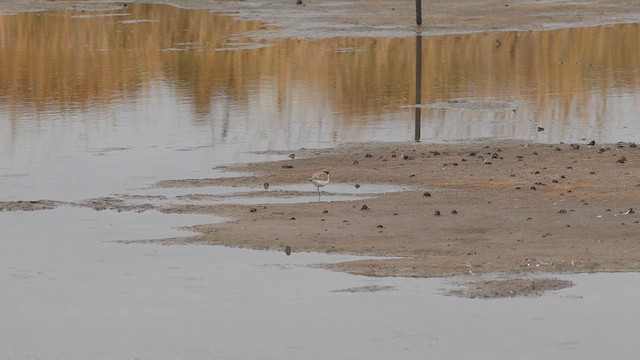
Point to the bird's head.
(325, 171)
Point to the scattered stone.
(562, 211)
(437, 213)
(427, 194)
(454, 212)
(355, 162)
(292, 156)
(575, 146)
(540, 129)
(253, 210)
(357, 186)
(325, 211)
(379, 226)
(592, 142)
(287, 166)
(622, 160)
(407, 157)
(299, 2)
(266, 186)
(368, 155)
(533, 188)
(633, 145)
(364, 207)
(287, 250)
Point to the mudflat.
(472, 208)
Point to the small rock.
(379, 226)
(437, 213)
(325, 211)
(562, 211)
(633, 145)
(292, 218)
(454, 212)
(407, 157)
(299, 2)
(355, 162)
(266, 186)
(287, 166)
(287, 250)
(622, 160)
(368, 155)
(357, 186)
(575, 146)
(253, 210)
(427, 194)
(292, 156)
(364, 207)
(540, 129)
(533, 188)
(592, 142)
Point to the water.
(73, 293)
(123, 97)
(101, 100)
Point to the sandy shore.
(503, 207)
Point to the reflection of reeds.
(52, 58)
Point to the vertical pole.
(419, 12)
(418, 110)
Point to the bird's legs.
(318, 194)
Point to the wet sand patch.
(493, 289)
(480, 207)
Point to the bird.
(320, 179)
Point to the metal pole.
(418, 110)
(419, 12)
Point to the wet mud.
(475, 208)
(493, 289)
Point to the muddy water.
(95, 101)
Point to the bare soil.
(477, 208)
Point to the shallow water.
(99, 101)
(70, 292)
(92, 103)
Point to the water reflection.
(418, 109)
(574, 82)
